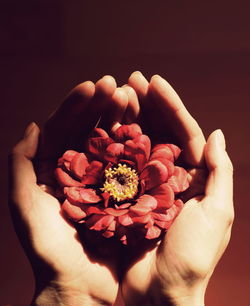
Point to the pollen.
(121, 182)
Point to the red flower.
(121, 187)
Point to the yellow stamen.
(121, 182)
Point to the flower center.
(121, 182)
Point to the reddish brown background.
(49, 46)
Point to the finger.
(116, 106)
(139, 83)
(170, 110)
(133, 107)
(21, 171)
(219, 188)
(77, 116)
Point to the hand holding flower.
(176, 272)
(64, 271)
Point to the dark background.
(202, 48)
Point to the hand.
(65, 273)
(176, 271)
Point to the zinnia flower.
(121, 187)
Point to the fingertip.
(85, 89)
(139, 83)
(106, 85)
(121, 97)
(215, 153)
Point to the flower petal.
(64, 179)
(113, 152)
(89, 209)
(73, 212)
(179, 180)
(89, 196)
(153, 232)
(66, 159)
(172, 213)
(136, 152)
(122, 206)
(154, 174)
(73, 194)
(98, 132)
(145, 204)
(162, 151)
(115, 212)
(126, 132)
(164, 195)
(144, 139)
(176, 150)
(98, 145)
(99, 222)
(108, 234)
(93, 173)
(78, 164)
(142, 219)
(125, 220)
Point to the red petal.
(164, 224)
(172, 213)
(105, 196)
(108, 234)
(73, 212)
(142, 219)
(179, 180)
(98, 145)
(112, 226)
(162, 151)
(125, 205)
(78, 165)
(89, 196)
(166, 156)
(115, 212)
(154, 174)
(176, 150)
(114, 152)
(126, 132)
(144, 139)
(125, 220)
(66, 159)
(164, 195)
(101, 223)
(145, 204)
(153, 232)
(89, 209)
(162, 217)
(93, 173)
(73, 194)
(130, 163)
(97, 132)
(64, 179)
(136, 152)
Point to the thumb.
(21, 171)
(220, 180)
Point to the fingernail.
(220, 139)
(29, 129)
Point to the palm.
(57, 243)
(56, 249)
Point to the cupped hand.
(64, 270)
(176, 271)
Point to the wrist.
(187, 297)
(55, 293)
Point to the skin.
(177, 270)
(173, 272)
(65, 272)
